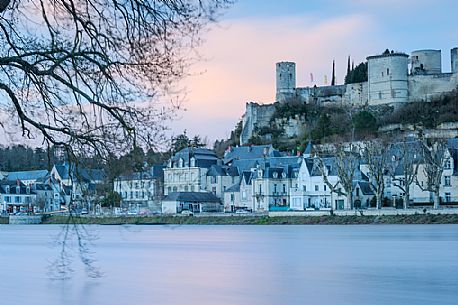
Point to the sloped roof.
(27, 175)
(204, 157)
(250, 152)
(14, 188)
(233, 189)
(66, 171)
(364, 186)
(196, 197)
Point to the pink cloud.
(241, 64)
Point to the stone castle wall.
(389, 83)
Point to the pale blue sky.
(242, 49)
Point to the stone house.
(187, 170)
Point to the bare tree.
(87, 75)
(434, 157)
(325, 172)
(375, 155)
(403, 167)
(347, 163)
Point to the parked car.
(241, 212)
(187, 213)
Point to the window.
(447, 164)
(169, 189)
(316, 188)
(383, 74)
(324, 187)
(447, 181)
(448, 197)
(136, 194)
(387, 71)
(131, 194)
(380, 95)
(275, 188)
(8, 199)
(185, 188)
(357, 191)
(284, 188)
(17, 199)
(260, 189)
(192, 188)
(175, 189)
(232, 197)
(304, 188)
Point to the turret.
(426, 62)
(454, 58)
(387, 77)
(286, 81)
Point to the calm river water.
(237, 265)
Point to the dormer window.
(275, 175)
(193, 162)
(18, 189)
(283, 175)
(260, 174)
(7, 189)
(180, 162)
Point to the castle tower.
(387, 78)
(454, 57)
(426, 62)
(286, 81)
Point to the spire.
(333, 80)
(348, 65)
(308, 150)
(352, 65)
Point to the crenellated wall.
(389, 83)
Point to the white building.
(140, 189)
(187, 170)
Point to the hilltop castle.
(394, 78)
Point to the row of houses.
(43, 191)
(261, 179)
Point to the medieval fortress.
(393, 78)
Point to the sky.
(239, 53)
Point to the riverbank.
(259, 220)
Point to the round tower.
(286, 81)
(387, 78)
(426, 62)
(454, 57)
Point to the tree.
(357, 74)
(376, 156)
(86, 75)
(403, 167)
(112, 199)
(434, 153)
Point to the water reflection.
(240, 265)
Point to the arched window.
(193, 162)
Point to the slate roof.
(13, 189)
(196, 197)
(222, 170)
(364, 187)
(204, 157)
(250, 152)
(233, 189)
(27, 175)
(77, 173)
(136, 176)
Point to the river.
(237, 265)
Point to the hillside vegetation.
(335, 124)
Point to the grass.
(262, 220)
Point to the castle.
(394, 78)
